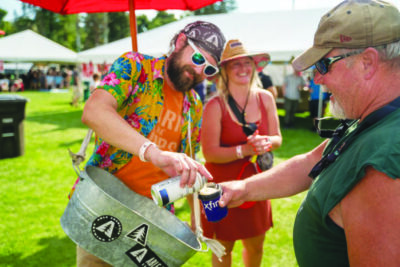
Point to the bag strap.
(235, 110)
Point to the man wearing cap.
(146, 116)
(350, 215)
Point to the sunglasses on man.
(323, 64)
(199, 59)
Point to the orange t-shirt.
(140, 176)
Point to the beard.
(337, 110)
(176, 73)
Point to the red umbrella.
(93, 6)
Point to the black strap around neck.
(239, 115)
(248, 129)
(366, 123)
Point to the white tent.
(28, 46)
(283, 34)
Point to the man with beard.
(147, 118)
(351, 215)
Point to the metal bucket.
(112, 222)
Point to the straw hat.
(234, 49)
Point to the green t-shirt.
(318, 241)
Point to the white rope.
(78, 158)
(214, 245)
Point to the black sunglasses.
(199, 59)
(323, 64)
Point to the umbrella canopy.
(92, 6)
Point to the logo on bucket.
(144, 256)
(139, 234)
(106, 228)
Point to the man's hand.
(233, 193)
(175, 164)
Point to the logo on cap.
(345, 39)
(213, 39)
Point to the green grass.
(34, 189)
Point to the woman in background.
(231, 139)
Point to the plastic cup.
(209, 196)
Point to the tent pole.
(132, 19)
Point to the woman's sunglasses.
(198, 59)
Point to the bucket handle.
(78, 158)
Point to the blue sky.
(13, 6)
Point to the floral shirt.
(136, 81)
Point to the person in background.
(350, 215)
(146, 116)
(76, 85)
(267, 83)
(58, 79)
(228, 148)
(291, 88)
(201, 90)
(314, 102)
(4, 83)
(95, 82)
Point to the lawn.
(34, 189)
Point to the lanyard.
(337, 135)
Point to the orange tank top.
(140, 176)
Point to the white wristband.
(239, 152)
(143, 149)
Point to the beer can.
(169, 190)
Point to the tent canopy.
(283, 34)
(29, 46)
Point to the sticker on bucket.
(106, 228)
(139, 234)
(144, 256)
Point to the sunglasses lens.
(198, 59)
(210, 70)
(322, 66)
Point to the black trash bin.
(12, 114)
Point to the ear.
(370, 62)
(180, 41)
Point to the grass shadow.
(55, 252)
(63, 120)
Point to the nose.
(198, 69)
(318, 77)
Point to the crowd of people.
(151, 120)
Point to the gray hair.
(388, 53)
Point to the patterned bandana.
(207, 36)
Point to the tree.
(217, 8)
(5, 25)
(142, 23)
(118, 25)
(160, 19)
(94, 27)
